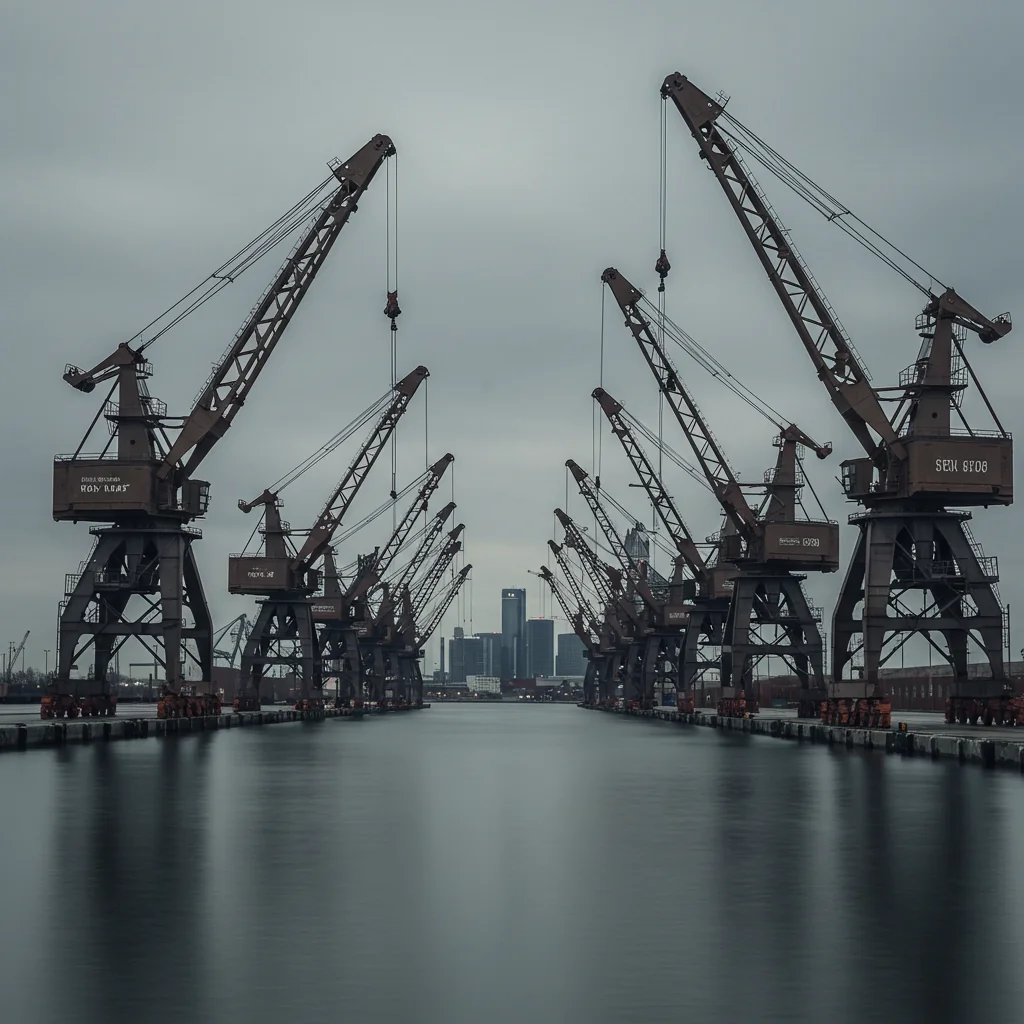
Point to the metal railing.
(914, 374)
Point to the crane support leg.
(392, 696)
(637, 687)
(769, 614)
(154, 564)
(660, 669)
(608, 685)
(341, 660)
(373, 667)
(349, 683)
(410, 682)
(283, 634)
(919, 572)
(590, 675)
(705, 629)
(845, 624)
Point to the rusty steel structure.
(610, 648)
(915, 568)
(287, 580)
(771, 547)
(144, 484)
(654, 657)
(366, 659)
(705, 582)
(587, 634)
(389, 647)
(232, 636)
(341, 613)
(412, 631)
(618, 595)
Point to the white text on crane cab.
(103, 485)
(961, 465)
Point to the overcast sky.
(143, 143)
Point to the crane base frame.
(341, 653)
(154, 561)
(906, 549)
(704, 628)
(283, 634)
(772, 601)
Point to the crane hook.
(661, 268)
(392, 308)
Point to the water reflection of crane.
(229, 640)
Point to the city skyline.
(466, 650)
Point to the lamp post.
(46, 662)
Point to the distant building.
(457, 656)
(465, 656)
(540, 647)
(490, 654)
(513, 632)
(638, 543)
(570, 660)
(484, 684)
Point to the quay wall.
(971, 749)
(32, 735)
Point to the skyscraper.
(457, 656)
(638, 543)
(570, 660)
(540, 647)
(513, 632)
(466, 656)
(490, 654)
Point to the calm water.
(493, 864)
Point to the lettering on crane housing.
(961, 466)
(102, 485)
(799, 542)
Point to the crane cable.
(662, 268)
(232, 268)
(673, 455)
(391, 308)
(747, 141)
(377, 512)
(371, 412)
(356, 527)
(629, 517)
(411, 544)
(713, 366)
(597, 437)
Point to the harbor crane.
(587, 636)
(770, 547)
(287, 582)
(412, 641)
(338, 610)
(613, 636)
(377, 639)
(658, 642)
(617, 595)
(15, 654)
(390, 679)
(233, 635)
(915, 568)
(145, 485)
(706, 586)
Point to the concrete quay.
(966, 744)
(33, 735)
